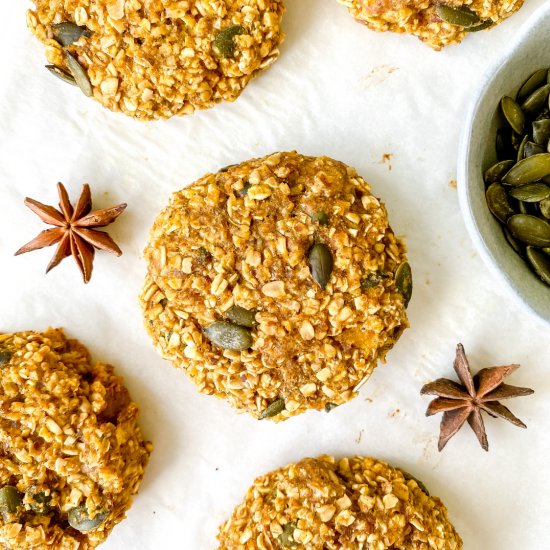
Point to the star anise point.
(74, 230)
(461, 403)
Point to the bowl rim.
(464, 149)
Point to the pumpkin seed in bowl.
(518, 185)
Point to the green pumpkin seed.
(498, 203)
(241, 316)
(372, 280)
(531, 149)
(541, 131)
(495, 172)
(5, 357)
(68, 33)
(512, 242)
(286, 539)
(62, 75)
(521, 148)
(80, 520)
(528, 170)
(223, 44)
(536, 100)
(532, 192)
(462, 17)
(40, 501)
(529, 229)
(421, 485)
(79, 75)
(202, 255)
(481, 27)
(10, 499)
(321, 217)
(544, 208)
(320, 263)
(330, 406)
(540, 262)
(228, 335)
(531, 84)
(403, 282)
(273, 409)
(513, 114)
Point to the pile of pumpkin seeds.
(518, 185)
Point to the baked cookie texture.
(347, 504)
(154, 59)
(241, 237)
(71, 451)
(419, 17)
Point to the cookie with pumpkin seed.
(157, 59)
(348, 504)
(437, 23)
(276, 284)
(72, 452)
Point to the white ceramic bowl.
(529, 51)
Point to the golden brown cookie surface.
(423, 18)
(244, 237)
(72, 452)
(320, 504)
(158, 58)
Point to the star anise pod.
(461, 403)
(73, 230)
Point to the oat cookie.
(157, 58)
(272, 284)
(72, 454)
(348, 504)
(437, 23)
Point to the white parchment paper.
(340, 90)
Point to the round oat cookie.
(325, 504)
(72, 454)
(154, 59)
(272, 284)
(435, 22)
